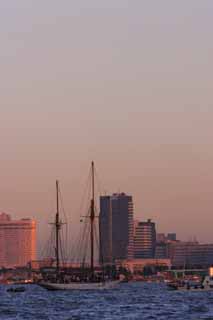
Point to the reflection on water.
(128, 301)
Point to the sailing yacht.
(90, 281)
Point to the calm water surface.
(129, 301)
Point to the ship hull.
(79, 285)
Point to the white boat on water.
(84, 280)
(79, 285)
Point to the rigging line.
(85, 199)
(96, 237)
(73, 244)
(62, 247)
(85, 248)
(82, 240)
(100, 256)
(99, 185)
(61, 251)
(62, 205)
(96, 210)
(96, 240)
(53, 248)
(65, 241)
(79, 242)
(47, 249)
(84, 225)
(71, 252)
(76, 247)
(85, 194)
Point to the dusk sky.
(128, 84)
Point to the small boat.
(187, 285)
(90, 280)
(16, 289)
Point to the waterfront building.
(191, 254)
(137, 265)
(17, 241)
(116, 227)
(144, 240)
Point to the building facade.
(138, 265)
(17, 241)
(144, 240)
(191, 254)
(163, 244)
(162, 250)
(116, 227)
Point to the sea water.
(128, 301)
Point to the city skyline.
(126, 85)
(140, 242)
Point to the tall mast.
(92, 218)
(57, 228)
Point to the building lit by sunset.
(17, 241)
(144, 239)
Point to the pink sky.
(126, 84)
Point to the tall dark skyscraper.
(144, 240)
(116, 227)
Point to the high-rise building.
(144, 240)
(17, 241)
(116, 227)
(105, 225)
